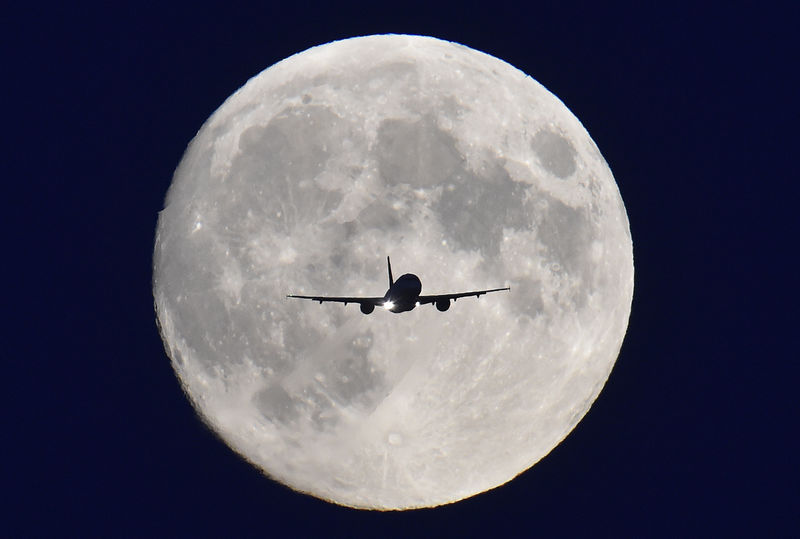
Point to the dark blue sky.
(694, 108)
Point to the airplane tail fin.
(391, 279)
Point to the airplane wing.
(345, 300)
(477, 293)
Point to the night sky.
(694, 109)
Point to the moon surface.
(466, 172)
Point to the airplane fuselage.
(403, 294)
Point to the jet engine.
(443, 304)
(367, 308)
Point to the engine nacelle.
(443, 304)
(367, 308)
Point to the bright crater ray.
(469, 174)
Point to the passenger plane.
(403, 295)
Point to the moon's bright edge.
(468, 173)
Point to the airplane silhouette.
(403, 295)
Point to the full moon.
(469, 174)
